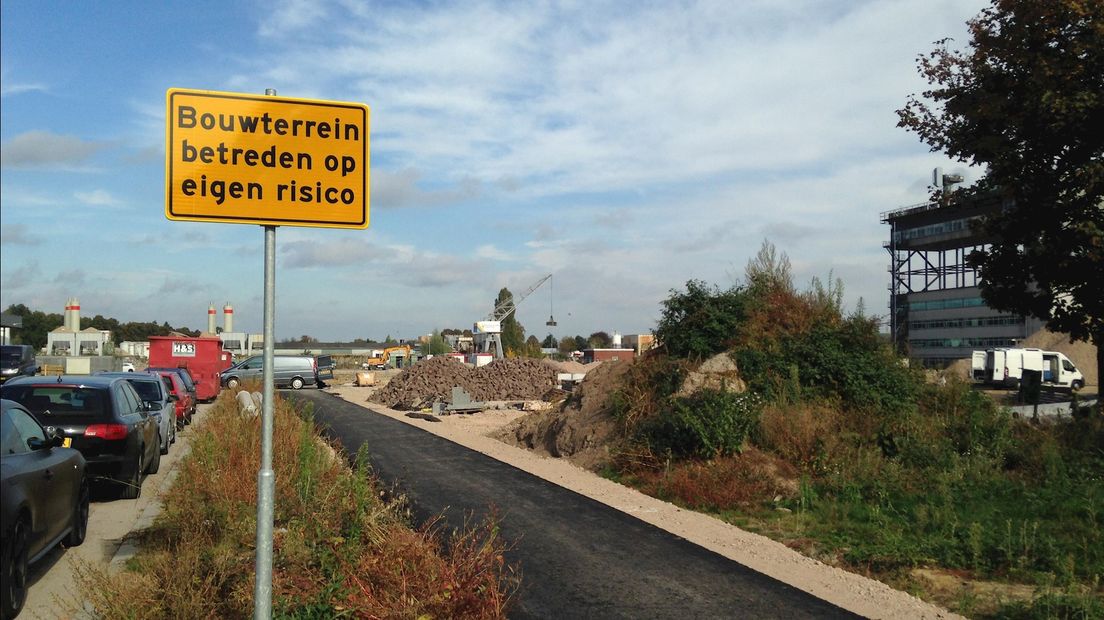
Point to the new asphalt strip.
(577, 557)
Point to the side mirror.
(173, 398)
(52, 439)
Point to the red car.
(179, 394)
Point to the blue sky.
(623, 147)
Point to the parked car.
(182, 400)
(189, 384)
(43, 499)
(294, 371)
(103, 417)
(16, 360)
(152, 390)
(128, 366)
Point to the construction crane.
(491, 327)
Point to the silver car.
(162, 408)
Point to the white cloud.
(492, 253)
(97, 198)
(44, 149)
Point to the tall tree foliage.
(1026, 101)
(513, 334)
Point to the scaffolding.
(932, 262)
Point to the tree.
(1026, 101)
(702, 321)
(533, 347)
(581, 343)
(568, 345)
(549, 342)
(769, 270)
(437, 344)
(513, 334)
(600, 340)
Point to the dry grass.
(339, 550)
(802, 433)
(751, 478)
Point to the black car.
(189, 384)
(43, 499)
(15, 360)
(103, 417)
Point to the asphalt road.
(578, 558)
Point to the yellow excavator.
(402, 351)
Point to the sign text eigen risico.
(253, 159)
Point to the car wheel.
(164, 443)
(132, 489)
(172, 437)
(1076, 385)
(155, 464)
(14, 592)
(80, 518)
(233, 383)
(296, 383)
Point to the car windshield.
(148, 390)
(58, 399)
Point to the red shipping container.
(202, 356)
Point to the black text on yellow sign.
(252, 159)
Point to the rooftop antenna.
(551, 296)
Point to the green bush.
(702, 321)
(708, 424)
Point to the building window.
(944, 304)
(988, 321)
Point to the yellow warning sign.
(253, 159)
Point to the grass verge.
(339, 550)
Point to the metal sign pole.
(266, 478)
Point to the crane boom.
(508, 305)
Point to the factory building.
(936, 311)
(70, 339)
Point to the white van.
(292, 371)
(1005, 366)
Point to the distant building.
(71, 340)
(936, 312)
(607, 355)
(639, 342)
(135, 348)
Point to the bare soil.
(856, 593)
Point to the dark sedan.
(43, 499)
(103, 417)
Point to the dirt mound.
(1082, 354)
(433, 379)
(582, 430)
(574, 367)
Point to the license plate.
(68, 441)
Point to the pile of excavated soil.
(1082, 354)
(582, 430)
(433, 380)
(574, 367)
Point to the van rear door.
(325, 366)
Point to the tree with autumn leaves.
(1025, 101)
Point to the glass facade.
(944, 304)
(956, 343)
(988, 321)
(940, 228)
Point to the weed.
(338, 549)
